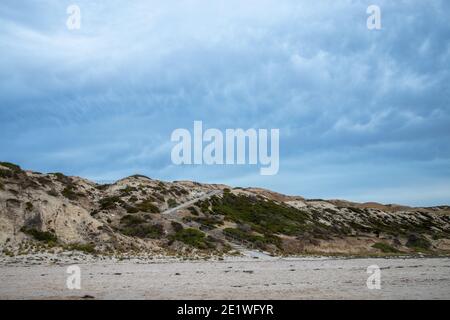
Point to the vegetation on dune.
(109, 202)
(62, 178)
(28, 206)
(258, 241)
(385, 248)
(132, 209)
(172, 203)
(211, 222)
(264, 216)
(147, 206)
(403, 227)
(136, 226)
(193, 211)
(70, 193)
(176, 226)
(418, 242)
(43, 236)
(251, 218)
(132, 220)
(103, 187)
(11, 166)
(178, 191)
(193, 237)
(83, 247)
(4, 173)
(204, 206)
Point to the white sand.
(238, 278)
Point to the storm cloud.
(363, 114)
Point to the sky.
(364, 115)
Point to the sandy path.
(234, 279)
(191, 202)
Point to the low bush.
(176, 226)
(258, 240)
(127, 190)
(145, 230)
(384, 247)
(192, 237)
(69, 193)
(6, 173)
(109, 202)
(209, 222)
(11, 166)
(193, 211)
(136, 226)
(264, 216)
(43, 236)
(62, 178)
(417, 242)
(171, 203)
(83, 247)
(147, 206)
(28, 206)
(132, 209)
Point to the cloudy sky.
(363, 115)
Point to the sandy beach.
(232, 278)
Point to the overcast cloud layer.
(363, 115)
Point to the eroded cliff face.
(142, 215)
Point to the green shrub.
(257, 240)
(264, 216)
(62, 178)
(417, 242)
(158, 197)
(11, 166)
(132, 210)
(69, 193)
(83, 247)
(176, 226)
(43, 236)
(136, 226)
(147, 206)
(384, 247)
(171, 203)
(193, 211)
(102, 187)
(203, 205)
(127, 190)
(192, 237)
(109, 202)
(6, 173)
(209, 222)
(132, 220)
(144, 230)
(28, 206)
(178, 191)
